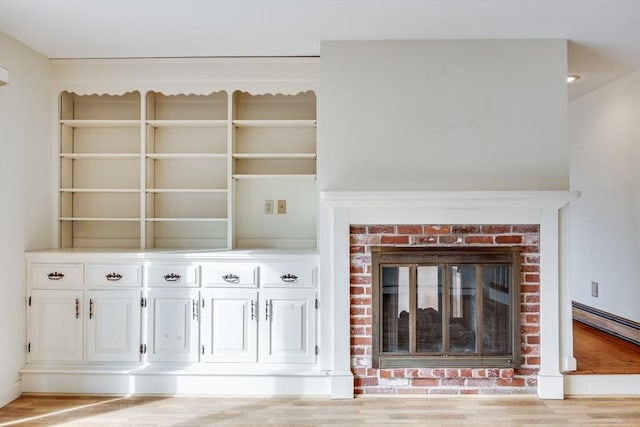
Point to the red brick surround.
(444, 381)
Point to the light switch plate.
(282, 206)
(268, 207)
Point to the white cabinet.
(55, 326)
(288, 330)
(167, 317)
(113, 326)
(173, 325)
(230, 325)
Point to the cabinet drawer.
(179, 275)
(56, 276)
(231, 275)
(289, 275)
(114, 275)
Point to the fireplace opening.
(445, 307)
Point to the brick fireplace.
(352, 220)
(399, 381)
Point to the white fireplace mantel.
(340, 209)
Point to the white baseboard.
(602, 385)
(10, 393)
(176, 384)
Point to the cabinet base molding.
(10, 393)
(174, 381)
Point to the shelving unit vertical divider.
(231, 185)
(143, 170)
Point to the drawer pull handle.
(231, 278)
(172, 277)
(113, 277)
(77, 308)
(90, 308)
(55, 275)
(289, 278)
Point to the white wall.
(443, 115)
(605, 222)
(26, 173)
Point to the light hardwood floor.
(207, 411)
(613, 356)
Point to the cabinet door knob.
(55, 275)
(231, 278)
(172, 277)
(113, 277)
(289, 278)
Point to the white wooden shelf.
(275, 123)
(275, 176)
(187, 190)
(99, 190)
(274, 156)
(100, 156)
(188, 123)
(98, 219)
(186, 156)
(158, 219)
(101, 123)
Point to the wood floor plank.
(379, 411)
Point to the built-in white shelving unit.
(153, 170)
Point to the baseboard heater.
(610, 323)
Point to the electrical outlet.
(268, 207)
(282, 206)
(594, 289)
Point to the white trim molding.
(10, 393)
(340, 209)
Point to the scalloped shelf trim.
(126, 91)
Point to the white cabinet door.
(230, 325)
(288, 326)
(113, 326)
(55, 326)
(173, 319)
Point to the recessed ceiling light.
(572, 78)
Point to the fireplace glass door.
(450, 309)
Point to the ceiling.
(604, 35)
